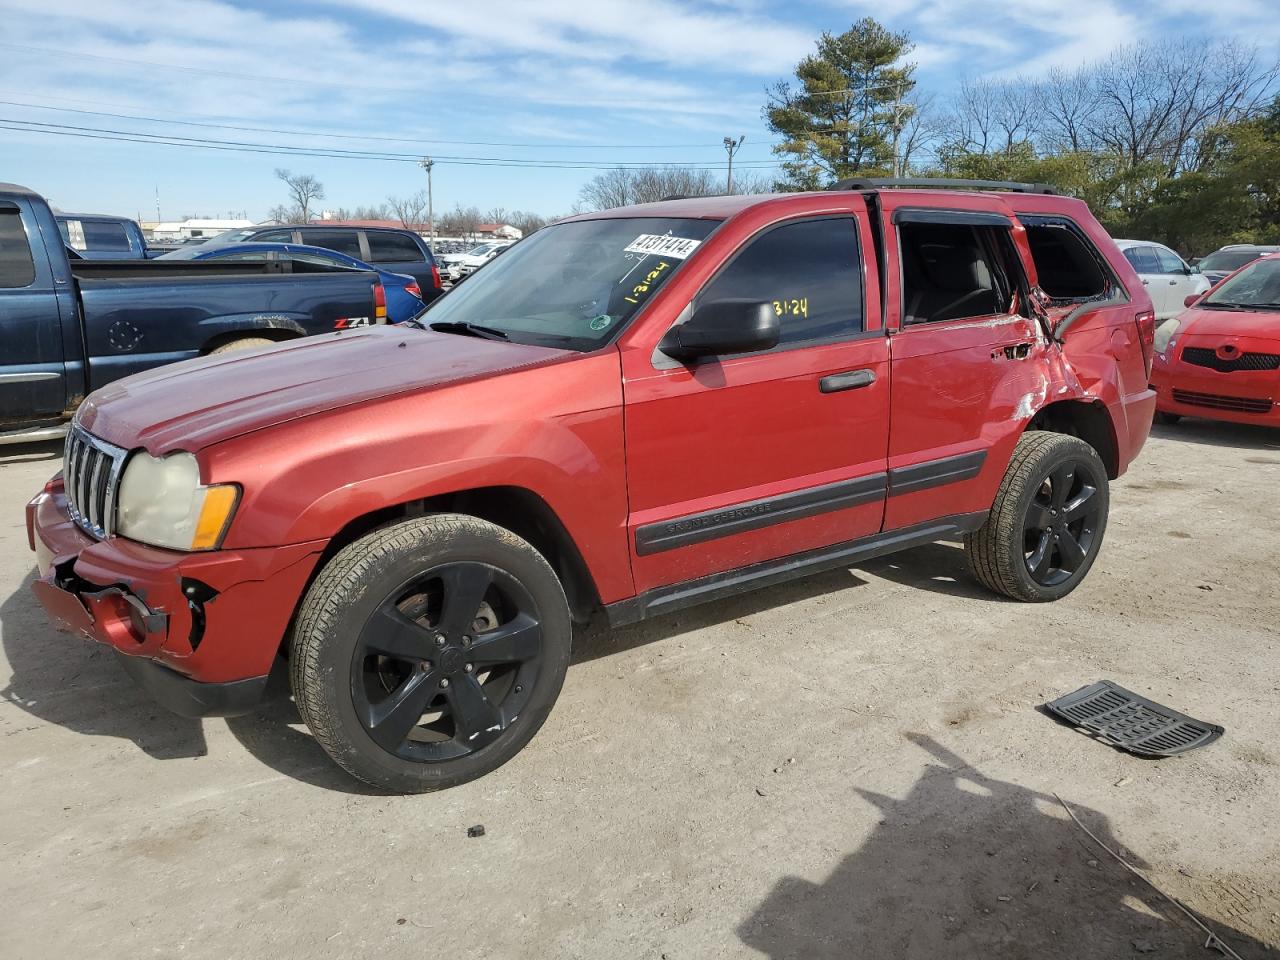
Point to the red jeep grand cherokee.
(635, 410)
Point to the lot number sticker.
(675, 247)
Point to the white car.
(461, 264)
(1168, 278)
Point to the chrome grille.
(91, 471)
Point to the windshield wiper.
(1227, 305)
(470, 329)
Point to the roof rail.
(939, 183)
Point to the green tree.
(848, 110)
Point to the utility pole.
(731, 147)
(426, 163)
(157, 203)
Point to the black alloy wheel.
(446, 662)
(1062, 522)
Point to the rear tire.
(1046, 526)
(430, 651)
(1168, 419)
(242, 343)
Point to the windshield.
(232, 236)
(480, 251)
(573, 284)
(1230, 259)
(1255, 286)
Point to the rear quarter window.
(392, 248)
(1068, 265)
(16, 266)
(105, 235)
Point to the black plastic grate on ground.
(1124, 719)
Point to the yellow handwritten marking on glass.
(796, 307)
(641, 288)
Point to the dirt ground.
(849, 766)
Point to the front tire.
(241, 343)
(430, 651)
(1168, 419)
(1046, 526)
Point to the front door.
(32, 374)
(739, 459)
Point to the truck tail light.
(1146, 321)
(413, 290)
(435, 276)
(379, 302)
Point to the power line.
(357, 136)
(127, 136)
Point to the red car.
(1222, 360)
(631, 411)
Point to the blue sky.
(559, 81)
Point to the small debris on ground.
(760, 793)
(1004, 899)
(1121, 782)
(1092, 863)
(1144, 946)
(1203, 586)
(476, 831)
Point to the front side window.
(952, 271)
(391, 248)
(276, 236)
(1169, 261)
(810, 271)
(573, 284)
(16, 266)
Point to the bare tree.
(303, 188)
(498, 215)
(622, 186)
(460, 221)
(527, 222)
(380, 212)
(282, 214)
(411, 211)
(990, 116)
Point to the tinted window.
(391, 247)
(1142, 258)
(1230, 259)
(1066, 263)
(1169, 261)
(275, 236)
(16, 267)
(344, 241)
(105, 235)
(810, 271)
(950, 272)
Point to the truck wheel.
(243, 343)
(430, 651)
(1046, 525)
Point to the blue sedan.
(404, 296)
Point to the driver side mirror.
(723, 327)
(1192, 299)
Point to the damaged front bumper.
(199, 631)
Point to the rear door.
(741, 459)
(961, 346)
(32, 370)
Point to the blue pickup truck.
(68, 326)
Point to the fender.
(433, 443)
(212, 328)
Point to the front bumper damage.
(199, 631)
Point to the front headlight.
(161, 502)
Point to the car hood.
(190, 405)
(1256, 324)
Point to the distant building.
(498, 231)
(190, 229)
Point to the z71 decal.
(346, 323)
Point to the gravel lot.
(849, 766)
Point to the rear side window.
(1143, 259)
(276, 236)
(810, 271)
(105, 235)
(1066, 263)
(953, 271)
(392, 247)
(16, 266)
(1169, 261)
(344, 241)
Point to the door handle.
(1173, 283)
(849, 380)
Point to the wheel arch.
(1087, 419)
(518, 509)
